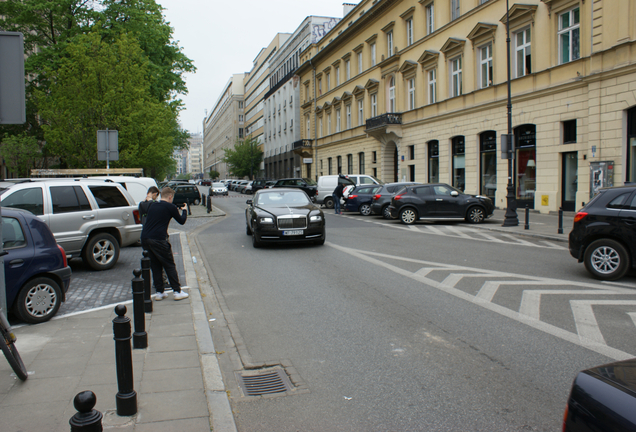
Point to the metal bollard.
(140, 337)
(209, 204)
(86, 419)
(527, 225)
(189, 211)
(203, 199)
(126, 396)
(145, 274)
(560, 230)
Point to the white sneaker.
(160, 296)
(180, 295)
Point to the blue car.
(37, 275)
(360, 199)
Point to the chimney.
(347, 7)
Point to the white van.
(136, 186)
(327, 184)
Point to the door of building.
(569, 180)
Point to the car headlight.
(267, 220)
(315, 218)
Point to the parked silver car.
(90, 219)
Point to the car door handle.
(88, 217)
(16, 262)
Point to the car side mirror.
(248, 202)
(454, 193)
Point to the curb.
(221, 416)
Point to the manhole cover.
(264, 381)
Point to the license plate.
(293, 232)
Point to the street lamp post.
(510, 218)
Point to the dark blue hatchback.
(37, 274)
(360, 199)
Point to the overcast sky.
(224, 37)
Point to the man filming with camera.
(154, 239)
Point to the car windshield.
(282, 199)
(380, 182)
(219, 185)
(310, 182)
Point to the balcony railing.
(304, 143)
(384, 120)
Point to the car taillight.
(579, 216)
(398, 197)
(63, 255)
(136, 216)
(376, 197)
(565, 416)
(353, 196)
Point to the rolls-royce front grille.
(286, 222)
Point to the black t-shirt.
(158, 219)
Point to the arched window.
(392, 94)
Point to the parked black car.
(306, 185)
(258, 184)
(603, 235)
(284, 215)
(382, 198)
(439, 202)
(603, 399)
(360, 198)
(186, 193)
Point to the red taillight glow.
(136, 216)
(376, 197)
(63, 255)
(353, 196)
(579, 216)
(398, 197)
(565, 416)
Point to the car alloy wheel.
(365, 209)
(606, 259)
(408, 216)
(475, 215)
(328, 202)
(386, 214)
(39, 300)
(102, 251)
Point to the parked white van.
(136, 186)
(327, 184)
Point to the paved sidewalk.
(177, 378)
(541, 225)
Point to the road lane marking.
(459, 232)
(586, 324)
(531, 299)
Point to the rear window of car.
(218, 185)
(619, 202)
(68, 199)
(108, 197)
(12, 234)
(29, 199)
(310, 182)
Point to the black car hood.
(287, 210)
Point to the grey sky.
(224, 37)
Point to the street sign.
(12, 99)
(107, 145)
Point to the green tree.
(98, 85)
(20, 153)
(245, 158)
(214, 174)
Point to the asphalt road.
(437, 327)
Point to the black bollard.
(209, 203)
(527, 226)
(126, 396)
(145, 274)
(140, 337)
(203, 200)
(560, 230)
(86, 419)
(189, 211)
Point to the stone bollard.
(140, 337)
(146, 276)
(209, 204)
(126, 396)
(86, 419)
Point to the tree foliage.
(245, 158)
(214, 174)
(20, 153)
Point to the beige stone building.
(417, 90)
(223, 126)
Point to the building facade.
(223, 127)
(417, 90)
(282, 146)
(195, 149)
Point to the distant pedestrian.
(337, 195)
(154, 240)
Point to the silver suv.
(90, 219)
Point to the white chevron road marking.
(586, 324)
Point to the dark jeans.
(336, 203)
(160, 254)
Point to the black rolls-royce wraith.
(284, 215)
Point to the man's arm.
(180, 214)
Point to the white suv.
(90, 219)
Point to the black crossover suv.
(439, 201)
(604, 233)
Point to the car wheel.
(101, 252)
(606, 259)
(38, 300)
(365, 209)
(386, 214)
(475, 215)
(328, 202)
(255, 242)
(408, 216)
(197, 201)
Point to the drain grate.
(264, 381)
